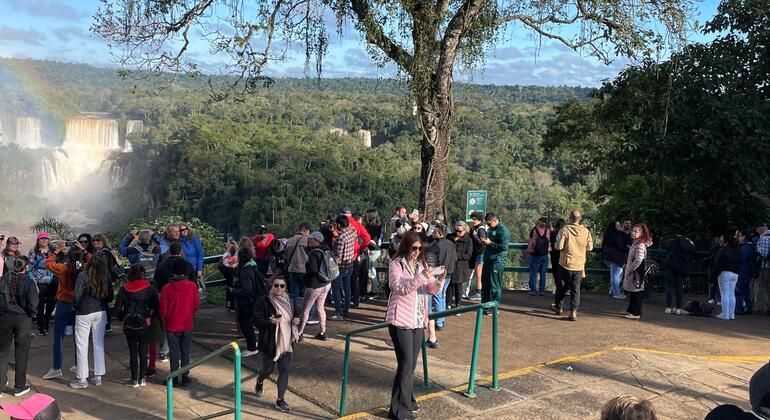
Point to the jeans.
(407, 344)
(373, 257)
(283, 363)
(538, 264)
(46, 296)
(60, 321)
(93, 324)
(246, 323)
(438, 302)
(727, 281)
(137, 355)
(743, 293)
(568, 280)
(342, 282)
(616, 278)
(14, 327)
(315, 298)
(674, 287)
(635, 303)
(179, 348)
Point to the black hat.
(759, 392)
(347, 211)
(179, 266)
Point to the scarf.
(285, 333)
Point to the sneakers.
(281, 405)
(18, 392)
(678, 311)
(532, 293)
(320, 336)
(249, 353)
(41, 333)
(313, 321)
(52, 374)
(723, 317)
(475, 296)
(108, 329)
(623, 297)
(336, 317)
(133, 383)
(259, 389)
(432, 344)
(96, 380)
(555, 309)
(150, 373)
(80, 384)
(669, 311)
(142, 382)
(163, 358)
(74, 368)
(632, 316)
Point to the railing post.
(425, 380)
(237, 379)
(475, 354)
(495, 386)
(345, 375)
(169, 398)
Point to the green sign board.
(475, 200)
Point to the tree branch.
(451, 41)
(375, 35)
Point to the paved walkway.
(550, 369)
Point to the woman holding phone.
(411, 280)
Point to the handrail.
(478, 308)
(236, 410)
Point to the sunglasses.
(85, 241)
(416, 248)
(184, 230)
(279, 286)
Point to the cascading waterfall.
(28, 133)
(132, 126)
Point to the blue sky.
(59, 30)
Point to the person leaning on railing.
(410, 280)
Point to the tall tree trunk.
(436, 121)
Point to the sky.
(59, 30)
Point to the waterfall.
(132, 126)
(28, 133)
(91, 133)
(114, 173)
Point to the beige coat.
(636, 256)
(574, 242)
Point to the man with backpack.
(138, 248)
(296, 258)
(539, 247)
(320, 270)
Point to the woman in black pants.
(18, 302)
(136, 303)
(276, 318)
(249, 286)
(464, 265)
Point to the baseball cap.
(318, 236)
(347, 211)
(12, 240)
(42, 235)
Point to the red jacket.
(261, 251)
(178, 303)
(363, 236)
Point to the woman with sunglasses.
(411, 281)
(276, 318)
(192, 247)
(9, 253)
(45, 280)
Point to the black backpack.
(134, 322)
(147, 259)
(541, 244)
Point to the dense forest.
(271, 159)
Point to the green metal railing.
(478, 308)
(236, 410)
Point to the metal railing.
(236, 410)
(478, 308)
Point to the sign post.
(475, 200)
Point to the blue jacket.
(747, 257)
(193, 252)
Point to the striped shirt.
(344, 248)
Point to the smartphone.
(437, 271)
(70, 243)
(230, 237)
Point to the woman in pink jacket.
(410, 280)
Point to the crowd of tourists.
(432, 266)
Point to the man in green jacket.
(495, 256)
